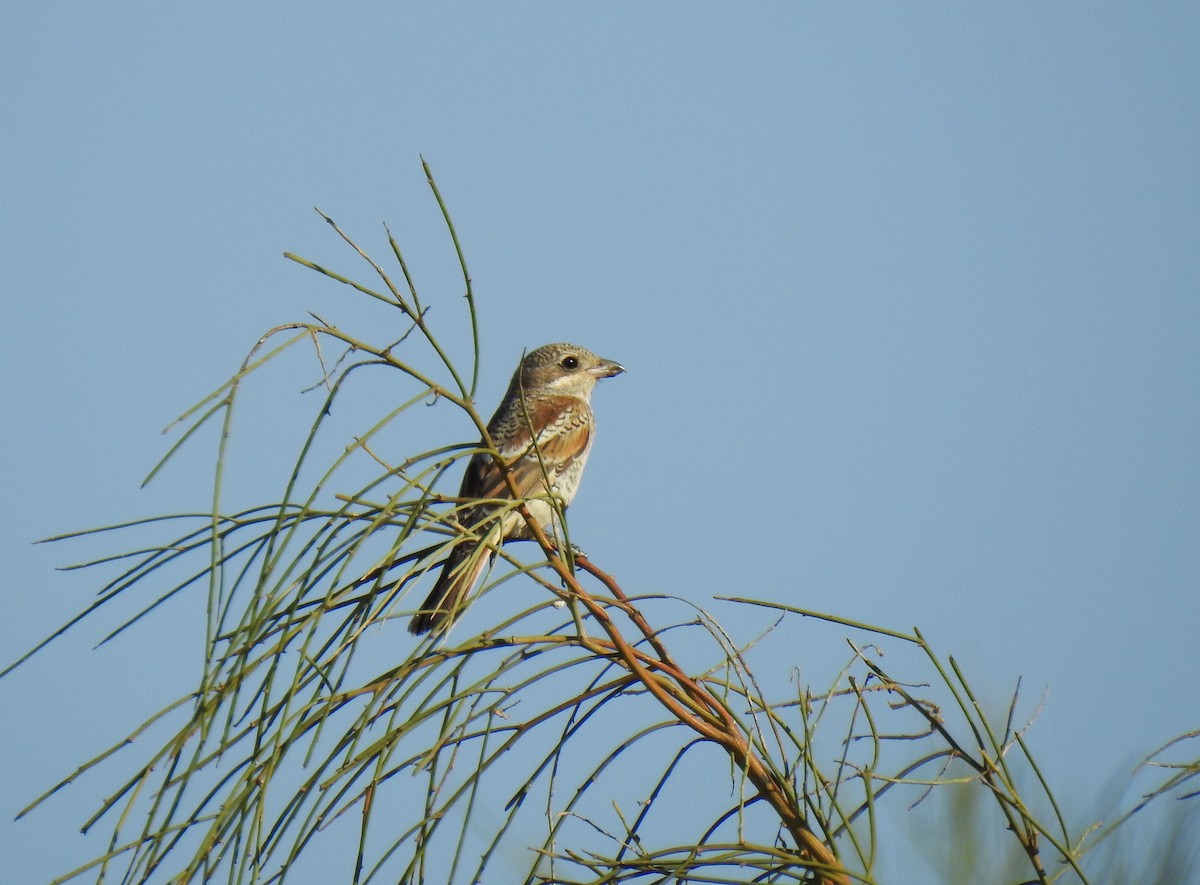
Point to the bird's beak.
(606, 369)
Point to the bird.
(543, 430)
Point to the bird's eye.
(569, 362)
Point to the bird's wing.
(564, 436)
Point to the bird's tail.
(449, 597)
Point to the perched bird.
(547, 397)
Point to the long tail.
(449, 597)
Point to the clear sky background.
(908, 295)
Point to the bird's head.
(563, 369)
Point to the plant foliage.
(574, 741)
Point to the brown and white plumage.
(548, 396)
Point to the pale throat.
(572, 385)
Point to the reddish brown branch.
(705, 714)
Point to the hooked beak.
(606, 369)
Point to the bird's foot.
(577, 552)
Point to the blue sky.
(908, 295)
